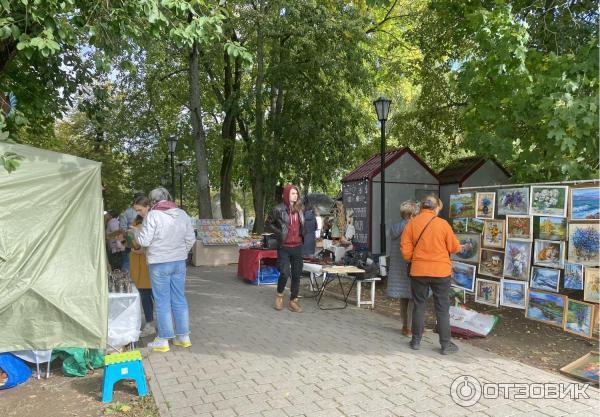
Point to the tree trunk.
(199, 136)
(258, 192)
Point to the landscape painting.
(545, 279)
(586, 368)
(493, 234)
(549, 253)
(584, 243)
(471, 243)
(579, 318)
(457, 296)
(573, 278)
(585, 204)
(591, 288)
(463, 275)
(487, 292)
(546, 307)
(459, 224)
(519, 228)
(551, 228)
(485, 204)
(462, 205)
(517, 259)
(491, 263)
(475, 225)
(513, 293)
(513, 201)
(548, 200)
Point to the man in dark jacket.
(286, 222)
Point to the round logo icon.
(465, 390)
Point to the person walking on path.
(398, 281)
(427, 243)
(286, 221)
(168, 236)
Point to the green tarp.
(53, 289)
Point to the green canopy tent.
(53, 281)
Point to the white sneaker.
(182, 341)
(148, 330)
(159, 345)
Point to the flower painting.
(546, 307)
(513, 293)
(462, 205)
(487, 292)
(513, 201)
(591, 288)
(471, 243)
(485, 205)
(493, 234)
(519, 228)
(548, 201)
(585, 204)
(579, 318)
(517, 259)
(584, 243)
(573, 278)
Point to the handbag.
(408, 264)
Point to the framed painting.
(548, 200)
(491, 263)
(459, 225)
(457, 296)
(475, 225)
(493, 234)
(546, 307)
(485, 204)
(519, 228)
(517, 260)
(471, 244)
(550, 228)
(463, 276)
(586, 368)
(584, 243)
(579, 318)
(549, 253)
(584, 204)
(596, 321)
(591, 286)
(513, 201)
(573, 276)
(545, 279)
(462, 205)
(513, 293)
(487, 292)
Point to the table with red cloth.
(250, 260)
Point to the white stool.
(358, 291)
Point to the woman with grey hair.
(167, 235)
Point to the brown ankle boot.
(295, 306)
(279, 302)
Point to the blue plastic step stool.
(126, 365)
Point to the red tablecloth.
(249, 261)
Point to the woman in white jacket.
(168, 236)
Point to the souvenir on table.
(519, 228)
(546, 307)
(551, 228)
(517, 259)
(487, 292)
(585, 204)
(462, 205)
(471, 243)
(573, 277)
(475, 225)
(513, 201)
(485, 205)
(457, 296)
(579, 318)
(459, 225)
(463, 275)
(549, 253)
(586, 368)
(545, 279)
(491, 263)
(493, 234)
(548, 200)
(591, 287)
(584, 243)
(513, 293)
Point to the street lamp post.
(180, 169)
(382, 107)
(164, 180)
(172, 145)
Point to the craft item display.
(217, 232)
(119, 282)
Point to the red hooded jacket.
(294, 235)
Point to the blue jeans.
(168, 289)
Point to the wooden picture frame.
(540, 303)
(591, 285)
(547, 279)
(494, 234)
(513, 201)
(584, 204)
(583, 243)
(519, 228)
(463, 275)
(579, 318)
(461, 205)
(551, 228)
(573, 276)
(586, 368)
(473, 245)
(513, 293)
(549, 253)
(485, 205)
(487, 292)
(517, 260)
(491, 263)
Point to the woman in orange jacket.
(427, 243)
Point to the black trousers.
(289, 263)
(420, 290)
(147, 303)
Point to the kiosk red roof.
(372, 166)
